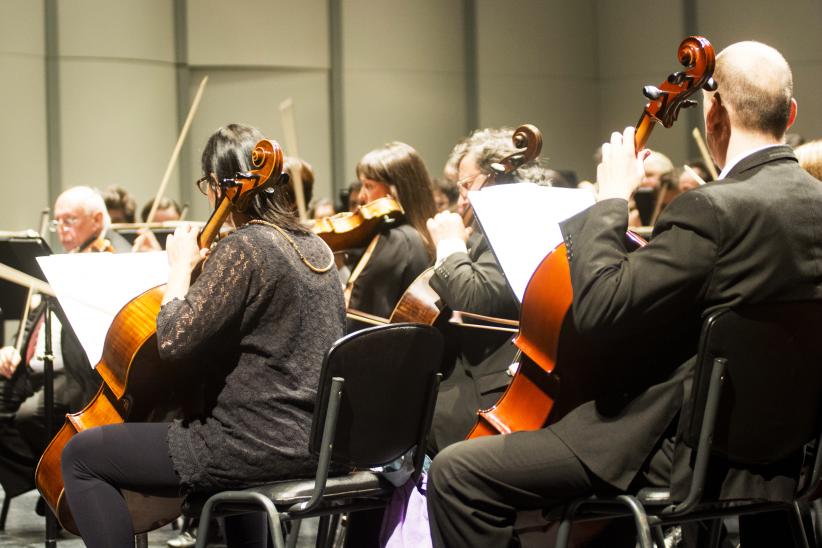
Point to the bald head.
(756, 86)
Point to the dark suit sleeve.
(618, 294)
(474, 286)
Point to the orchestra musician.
(468, 278)
(80, 220)
(401, 250)
(730, 242)
(254, 326)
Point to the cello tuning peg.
(652, 92)
(676, 78)
(710, 85)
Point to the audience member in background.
(292, 164)
(120, 204)
(352, 196)
(794, 140)
(321, 207)
(810, 157)
(167, 210)
(446, 194)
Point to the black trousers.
(98, 461)
(476, 488)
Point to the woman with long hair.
(403, 249)
(252, 329)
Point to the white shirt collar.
(739, 157)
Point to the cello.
(546, 336)
(131, 368)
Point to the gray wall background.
(95, 91)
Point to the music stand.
(19, 250)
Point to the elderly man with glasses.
(81, 222)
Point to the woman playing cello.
(248, 325)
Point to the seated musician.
(401, 250)
(254, 326)
(468, 278)
(80, 221)
(726, 243)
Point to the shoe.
(182, 540)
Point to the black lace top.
(254, 327)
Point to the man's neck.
(741, 142)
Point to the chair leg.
(797, 527)
(332, 531)
(293, 533)
(658, 535)
(141, 540)
(323, 531)
(643, 529)
(5, 511)
(274, 526)
(715, 533)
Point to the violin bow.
(175, 154)
(290, 131)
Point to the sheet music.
(521, 222)
(93, 287)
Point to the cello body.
(137, 385)
(132, 372)
(558, 369)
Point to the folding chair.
(375, 403)
(757, 397)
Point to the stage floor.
(25, 529)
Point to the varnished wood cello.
(132, 370)
(545, 334)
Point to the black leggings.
(135, 456)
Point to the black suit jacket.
(477, 360)
(754, 236)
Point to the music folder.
(521, 222)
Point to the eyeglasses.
(67, 222)
(464, 184)
(204, 182)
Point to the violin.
(546, 336)
(131, 368)
(420, 303)
(349, 230)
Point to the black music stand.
(20, 251)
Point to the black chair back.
(390, 375)
(772, 389)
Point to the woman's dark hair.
(227, 152)
(400, 166)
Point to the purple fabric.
(405, 524)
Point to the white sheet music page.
(93, 287)
(521, 222)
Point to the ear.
(792, 116)
(716, 112)
(98, 218)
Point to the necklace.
(318, 270)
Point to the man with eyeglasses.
(80, 221)
(468, 278)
